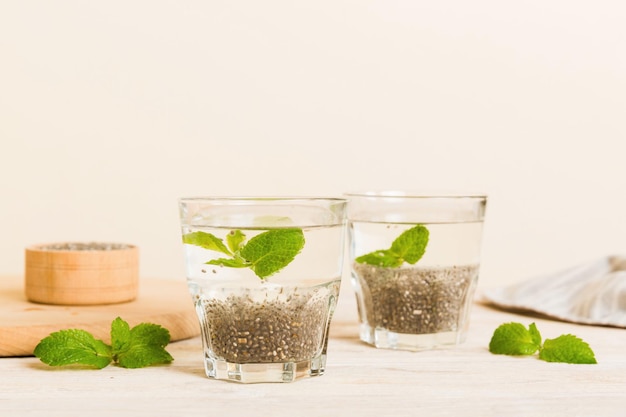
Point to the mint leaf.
(230, 262)
(141, 346)
(271, 251)
(120, 336)
(514, 339)
(383, 258)
(73, 346)
(207, 241)
(567, 348)
(265, 254)
(409, 247)
(235, 239)
(411, 244)
(534, 334)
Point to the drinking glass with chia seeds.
(414, 266)
(264, 274)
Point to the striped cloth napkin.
(592, 293)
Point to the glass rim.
(252, 198)
(409, 194)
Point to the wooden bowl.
(82, 273)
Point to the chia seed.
(80, 246)
(415, 300)
(241, 330)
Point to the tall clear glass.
(264, 274)
(414, 265)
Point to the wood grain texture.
(359, 381)
(23, 324)
(81, 277)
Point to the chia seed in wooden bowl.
(82, 273)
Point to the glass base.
(385, 339)
(250, 373)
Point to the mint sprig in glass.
(265, 254)
(264, 274)
(409, 247)
(414, 261)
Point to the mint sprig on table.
(141, 346)
(515, 339)
(265, 254)
(408, 247)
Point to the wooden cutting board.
(23, 324)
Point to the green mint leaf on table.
(534, 334)
(73, 347)
(265, 254)
(515, 339)
(408, 247)
(141, 346)
(120, 336)
(567, 348)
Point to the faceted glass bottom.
(385, 339)
(249, 373)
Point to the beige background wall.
(110, 111)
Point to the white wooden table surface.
(463, 381)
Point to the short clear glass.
(414, 266)
(264, 274)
